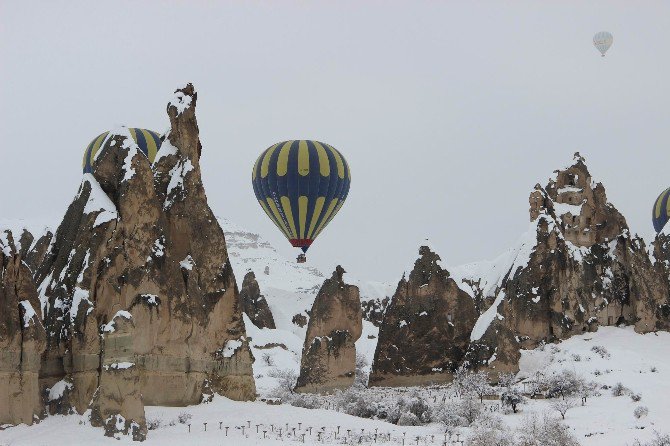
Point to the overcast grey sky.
(448, 112)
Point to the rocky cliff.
(254, 303)
(426, 327)
(335, 324)
(22, 341)
(31, 242)
(137, 290)
(578, 267)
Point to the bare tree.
(563, 405)
(286, 379)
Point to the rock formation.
(577, 268)
(136, 289)
(31, 245)
(426, 327)
(335, 324)
(254, 303)
(22, 341)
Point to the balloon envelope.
(301, 185)
(661, 211)
(603, 41)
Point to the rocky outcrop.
(22, 341)
(335, 324)
(30, 243)
(373, 310)
(426, 328)
(578, 268)
(137, 290)
(254, 304)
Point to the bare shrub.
(659, 440)
(286, 379)
(154, 423)
(408, 419)
(601, 351)
(490, 431)
(361, 376)
(544, 431)
(184, 417)
(619, 389)
(641, 411)
(267, 360)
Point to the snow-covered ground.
(604, 420)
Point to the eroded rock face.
(22, 341)
(31, 246)
(426, 327)
(335, 324)
(579, 268)
(254, 303)
(138, 294)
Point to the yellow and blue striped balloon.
(301, 185)
(661, 212)
(148, 142)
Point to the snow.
(491, 274)
(632, 357)
(604, 421)
(565, 189)
(564, 208)
(98, 201)
(110, 327)
(79, 296)
(166, 149)
(28, 313)
(119, 365)
(486, 318)
(16, 228)
(231, 347)
(177, 175)
(57, 390)
(181, 101)
(187, 263)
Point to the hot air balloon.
(603, 41)
(661, 212)
(301, 185)
(148, 142)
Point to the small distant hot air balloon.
(147, 141)
(661, 212)
(301, 185)
(603, 41)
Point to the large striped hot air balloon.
(148, 142)
(301, 185)
(661, 212)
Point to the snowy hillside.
(290, 288)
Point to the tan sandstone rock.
(22, 341)
(141, 241)
(335, 324)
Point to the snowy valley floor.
(640, 362)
